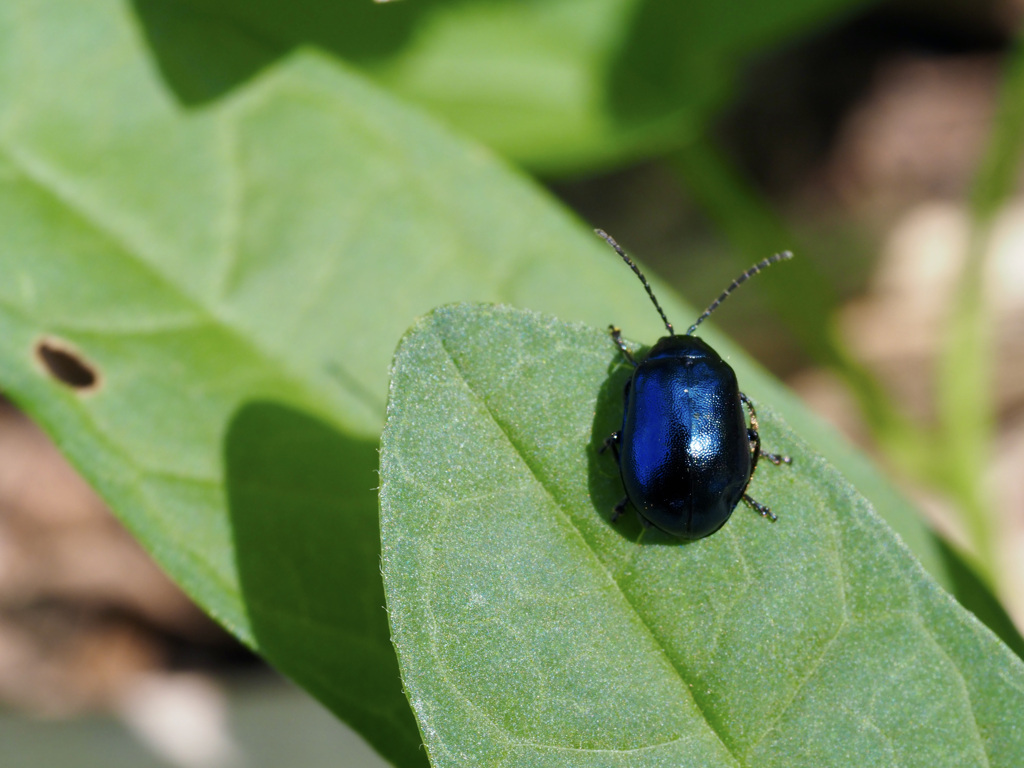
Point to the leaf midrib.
(568, 519)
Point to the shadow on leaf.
(303, 511)
(204, 50)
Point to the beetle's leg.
(612, 442)
(754, 435)
(644, 522)
(619, 508)
(759, 507)
(617, 338)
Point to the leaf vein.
(844, 622)
(541, 480)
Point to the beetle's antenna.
(618, 249)
(764, 264)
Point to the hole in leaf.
(66, 365)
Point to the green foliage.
(533, 632)
(233, 231)
(559, 85)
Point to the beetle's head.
(681, 347)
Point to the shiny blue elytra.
(685, 451)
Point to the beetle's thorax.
(682, 346)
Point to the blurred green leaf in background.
(559, 85)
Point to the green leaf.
(560, 85)
(531, 631)
(237, 277)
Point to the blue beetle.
(685, 451)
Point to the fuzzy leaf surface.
(531, 631)
(236, 276)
